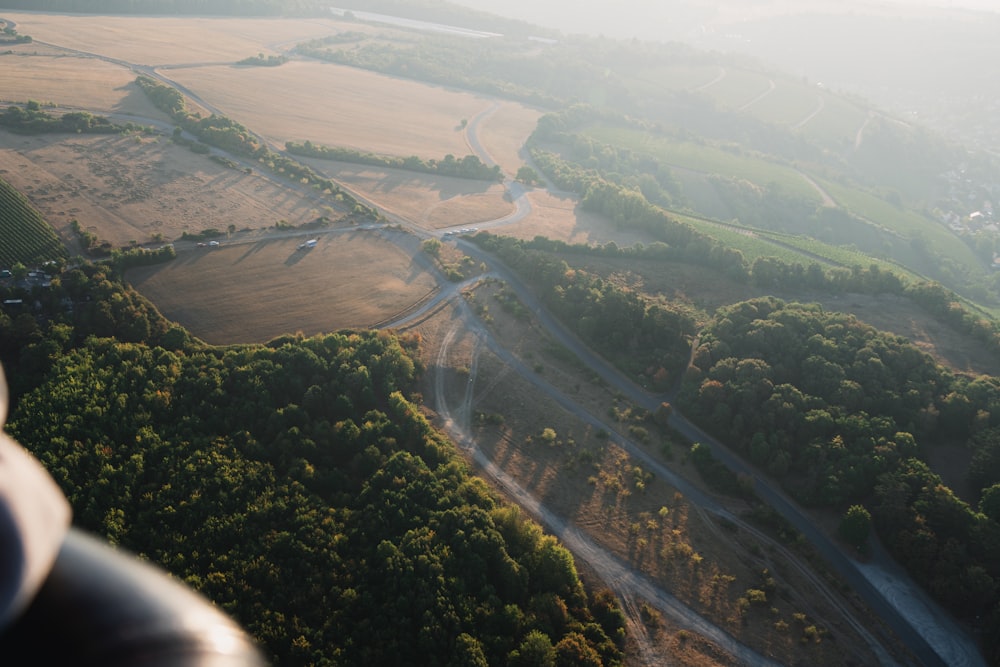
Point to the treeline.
(232, 136)
(10, 36)
(469, 166)
(840, 414)
(628, 207)
(260, 60)
(446, 13)
(84, 301)
(451, 64)
(295, 485)
(209, 7)
(650, 340)
(128, 258)
(33, 120)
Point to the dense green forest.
(648, 338)
(836, 411)
(294, 484)
(842, 414)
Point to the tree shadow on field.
(253, 249)
(188, 258)
(298, 255)
(136, 103)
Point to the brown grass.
(558, 216)
(75, 82)
(253, 291)
(429, 201)
(166, 40)
(127, 189)
(339, 106)
(503, 134)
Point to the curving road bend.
(619, 576)
(933, 635)
(923, 626)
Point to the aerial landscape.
(451, 333)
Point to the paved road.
(929, 632)
(620, 576)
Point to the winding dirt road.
(930, 633)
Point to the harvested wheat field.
(257, 290)
(336, 105)
(126, 189)
(67, 81)
(166, 40)
(433, 202)
(504, 131)
(559, 217)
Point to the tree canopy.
(294, 484)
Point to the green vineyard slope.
(25, 237)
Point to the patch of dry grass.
(126, 189)
(66, 81)
(429, 201)
(163, 40)
(336, 105)
(558, 216)
(584, 476)
(255, 291)
(503, 134)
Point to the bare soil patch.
(127, 189)
(256, 290)
(337, 105)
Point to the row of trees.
(33, 120)
(234, 137)
(649, 339)
(469, 166)
(841, 414)
(295, 485)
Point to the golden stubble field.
(335, 105)
(170, 40)
(126, 189)
(137, 190)
(254, 290)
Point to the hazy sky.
(685, 19)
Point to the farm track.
(627, 583)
